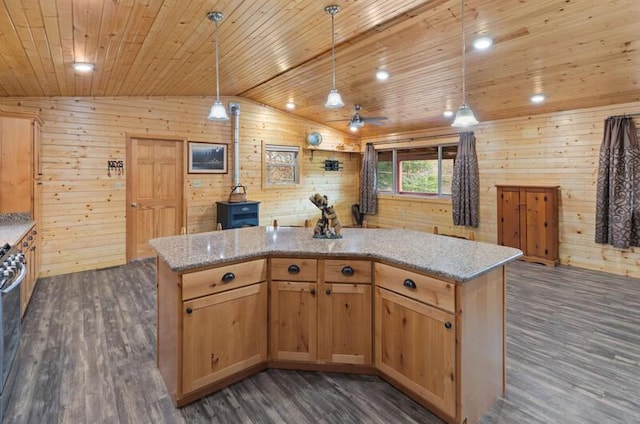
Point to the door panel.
(293, 321)
(509, 218)
(154, 193)
(536, 219)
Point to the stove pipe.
(234, 110)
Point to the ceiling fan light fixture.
(218, 112)
(464, 116)
(353, 128)
(334, 100)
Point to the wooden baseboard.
(339, 368)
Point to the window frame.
(297, 167)
(396, 169)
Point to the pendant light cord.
(217, 78)
(464, 61)
(333, 48)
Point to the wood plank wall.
(84, 210)
(560, 148)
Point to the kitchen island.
(425, 312)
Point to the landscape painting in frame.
(207, 158)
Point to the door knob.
(134, 204)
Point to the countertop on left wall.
(14, 226)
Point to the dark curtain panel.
(465, 187)
(618, 192)
(368, 200)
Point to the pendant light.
(334, 100)
(464, 116)
(218, 111)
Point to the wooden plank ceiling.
(579, 53)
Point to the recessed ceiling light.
(83, 66)
(482, 43)
(382, 75)
(448, 113)
(537, 98)
(291, 105)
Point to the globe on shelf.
(314, 138)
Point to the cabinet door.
(293, 321)
(415, 345)
(223, 334)
(16, 165)
(345, 333)
(509, 216)
(536, 223)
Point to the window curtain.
(465, 187)
(368, 200)
(618, 190)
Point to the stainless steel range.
(12, 272)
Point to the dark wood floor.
(88, 356)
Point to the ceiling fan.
(358, 121)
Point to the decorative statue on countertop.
(328, 219)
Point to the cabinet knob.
(313, 292)
(409, 283)
(228, 277)
(293, 269)
(25, 244)
(347, 271)
(189, 311)
(447, 325)
(328, 291)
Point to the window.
(281, 165)
(418, 170)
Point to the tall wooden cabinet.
(19, 163)
(528, 220)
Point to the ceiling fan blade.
(339, 120)
(373, 118)
(375, 122)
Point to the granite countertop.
(14, 226)
(444, 257)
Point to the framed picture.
(207, 158)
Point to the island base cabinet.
(223, 334)
(416, 347)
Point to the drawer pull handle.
(313, 292)
(228, 277)
(409, 283)
(189, 311)
(347, 271)
(447, 325)
(294, 269)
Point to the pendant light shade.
(334, 100)
(218, 111)
(464, 116)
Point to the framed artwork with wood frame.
(207, 158)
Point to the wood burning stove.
(238, 215)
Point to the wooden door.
(344, 323)
(415, 345)
(154, 193)
(536, 223)
(293, 321)
(223, 334)
(509, 216)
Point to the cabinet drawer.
(347, 271)
(417, 286)
(293, 269)
(214, 280)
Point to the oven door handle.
(23, 273)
